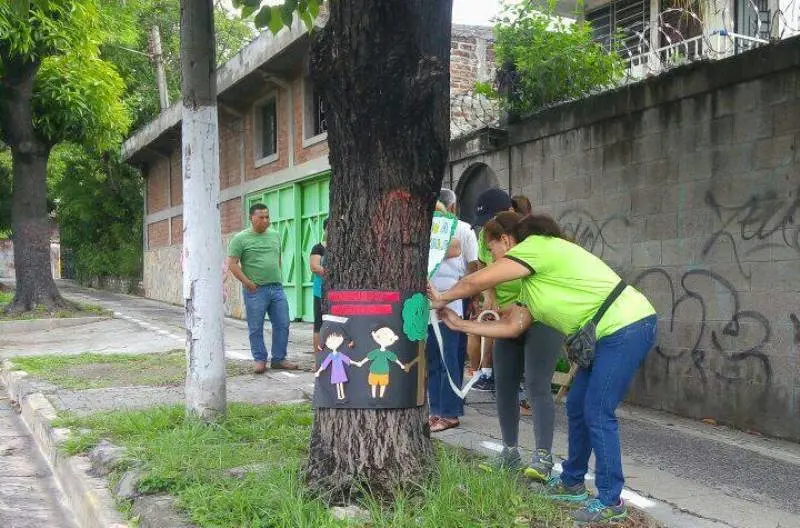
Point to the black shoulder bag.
(580, 345)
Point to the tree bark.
(202, 237)
(383, 70)
(29, 217)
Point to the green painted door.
(315, 211)
(296, 213)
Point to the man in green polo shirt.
(254, 257)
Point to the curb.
(88, 497)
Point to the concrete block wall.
(689, 186)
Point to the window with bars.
(320, 121)
(315, 121)
(753, 18)
(267, 129)
(623, 24)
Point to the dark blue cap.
(490, 203)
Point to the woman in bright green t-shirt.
(563, 286)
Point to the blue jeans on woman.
(267, 299)
(443, 401)
(592, 401)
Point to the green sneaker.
(541, 466)
(596, 512)
(508, 459)
(558, 491)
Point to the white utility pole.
(202, 238)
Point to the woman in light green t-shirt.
(563, 286)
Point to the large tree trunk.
(29, 218)
(383, 70)
(202, 238)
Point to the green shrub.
(544, 59)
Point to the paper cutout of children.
(380, 358)
(336, 361)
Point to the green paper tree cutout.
(416, 311)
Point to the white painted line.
(492, 446)
(637, 500)
(630, 496)
(236, 354)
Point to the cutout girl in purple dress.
(336, 361)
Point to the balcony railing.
(718, 45)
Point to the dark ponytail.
(502, 224)
(536, 224)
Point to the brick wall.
(471, 58)
(177, 230)
(176, 181)
(158, 185)
(158, 234)
(231, 215)
(230, 155)
(688, 185)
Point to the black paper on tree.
(371, 353)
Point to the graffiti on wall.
(796, 326)
(766, 220)
(588, 231)
(703, 319)
(716, 345)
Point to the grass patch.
(188, 460)
(41, 312)
(6, 297)
(99, 371)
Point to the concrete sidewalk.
(683, 472)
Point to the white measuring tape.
(437, 331)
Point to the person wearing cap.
(570, 289)
(534, 353)
(316, 262)
(446, 407)
(490, 203)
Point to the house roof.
(267, 55)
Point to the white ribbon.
(437, 331)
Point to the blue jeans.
(443, 401)
(591, 404)
(267, 299)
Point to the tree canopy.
(275, 17)
(77, 96)
(96, 81)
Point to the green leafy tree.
(546, 59)
(54, 87)
(99, 199)
(99, 212)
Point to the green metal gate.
(296, 212)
